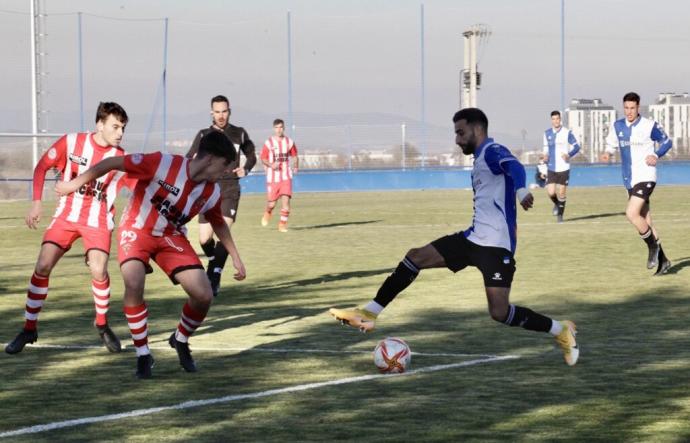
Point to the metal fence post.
(402, 127)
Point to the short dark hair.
(220, 99)
(473, 116)
(632, 97)
(111, 108)
(278, 121)
(558, 113)
(217, 144)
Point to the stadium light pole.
(81, 74)
(423, 93)
(34, 97)
(562, 55)
(165, 86)
(291, 123)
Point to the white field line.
(249, 396)
(269, 350)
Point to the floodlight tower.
(470, 79)
(38, 53)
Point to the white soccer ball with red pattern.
(392, 355)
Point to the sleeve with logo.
(501, 161)
(55, 157)
(142, 166)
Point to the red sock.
(284, 214)
(136, 320)
(189, 321)
(37, 293)
(101, 300)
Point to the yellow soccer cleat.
(566, 341)
(358, 318)
(282, 227)
(265, 219)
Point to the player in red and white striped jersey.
(87, 213)
(170, 191)
(275, 156)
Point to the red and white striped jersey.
(165, 198)
(279, 150)
(92, 204)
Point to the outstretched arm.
(99, 169)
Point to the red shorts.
(172, 253)
(63, 233)
(275, 190)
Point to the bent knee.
(498, 313)
(203, 297)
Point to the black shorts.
(496, 264)
(229, 201)
(559, 178)
(643, 190)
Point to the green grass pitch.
(272, 332)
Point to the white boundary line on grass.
(231, 398)
(273, 350)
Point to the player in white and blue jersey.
(488, 244)
(641, 142)
(557, 153)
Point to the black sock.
(221, 255)
(208, 248)
(528, 319)
(648, 237)
(561, 206)
(554, 199)
(402, 277)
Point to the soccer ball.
(392, 355)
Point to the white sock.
(556, 327)
(373, 307)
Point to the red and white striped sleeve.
(142, 166)
(55, 157)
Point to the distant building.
(590, 119)
(672, 111)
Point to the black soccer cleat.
(144, 365)
(664, 263)
(109, 339)
(653, 257)
(21, 340)
(183, 353)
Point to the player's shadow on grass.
(679, 264)
(593, 216)
(336, 225)
(324, 278)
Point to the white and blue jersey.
(496, 175)
(636, 141)
(557, 143)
